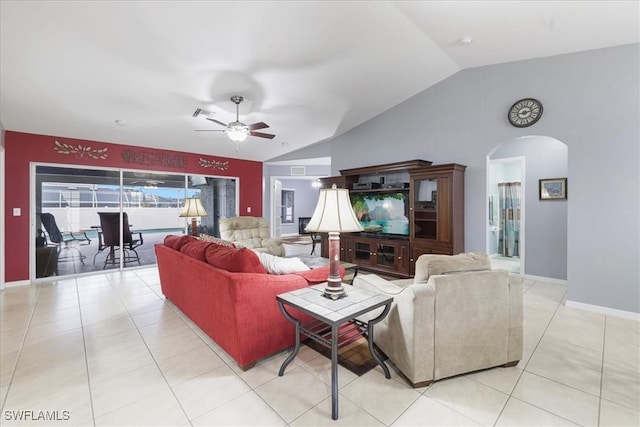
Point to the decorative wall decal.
(214, 164)
(80, 151)
(150, 158)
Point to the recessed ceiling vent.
(298, 171)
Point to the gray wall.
(591, 104)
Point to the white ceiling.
(311, 70)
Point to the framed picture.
(553, 189)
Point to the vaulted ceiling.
(135, 72)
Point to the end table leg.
(374, 354)
(334, 372)
(294, 353)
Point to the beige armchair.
(250, 232)
(457, 316)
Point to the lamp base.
(334, 290)
(194, 227)
(334, 293)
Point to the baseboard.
(17, 283)
(545, 279)
(603, 310)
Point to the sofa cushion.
(279, 265)
(216, 240)
(430, 265)
(196, 249)
(176, 242)
(234, 260)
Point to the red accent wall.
(22, 148)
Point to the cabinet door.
(430, 208)
(402, 258)
(362, 252)
(385, 256)
(424, 214)
(346, 249)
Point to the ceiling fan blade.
(256, 126)
(217, 121)
(262, 135)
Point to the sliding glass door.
(97, 219)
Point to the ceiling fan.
(237, 131)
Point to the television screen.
(384, 213)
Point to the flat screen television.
(382, 213)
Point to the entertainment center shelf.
(432, 222)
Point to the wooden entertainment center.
(434, 205)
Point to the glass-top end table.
(332, 319)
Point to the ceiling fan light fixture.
(237, 132)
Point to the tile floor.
(110, 350)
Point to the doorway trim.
(272, 208)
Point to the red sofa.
(236, 308)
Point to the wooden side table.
(328, 318)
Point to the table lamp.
(333, 215)
(193, 208)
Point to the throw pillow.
(279, 265)
(216, 240)
(234, 260)
(196, 249)
(175, 242)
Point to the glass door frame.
(33, 209)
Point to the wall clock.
(525, 112)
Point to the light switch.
(17, 211)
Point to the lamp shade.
(193, 207)
(334, 213)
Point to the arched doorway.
(524, 233)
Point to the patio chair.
(63, 240)
(109, 237)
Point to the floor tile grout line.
(86, 357)
(150, 353)
(524, 368)
(604, 340)
(543, 409)
(186, 323)
(21, 347)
